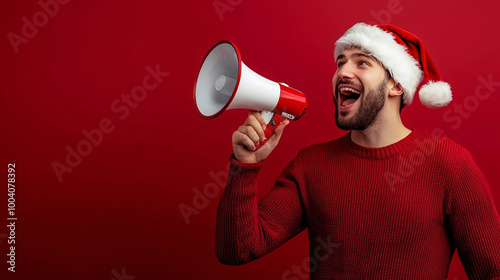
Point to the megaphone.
(224, 82)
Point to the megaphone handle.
(270, 128)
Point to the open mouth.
(347, 96)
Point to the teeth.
(345, 89)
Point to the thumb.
(275, 138)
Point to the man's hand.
(250, 134)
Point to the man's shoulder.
(437, 143)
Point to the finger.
(253, 121)
(242, 139)
(250, 132)
(259, 118)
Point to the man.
(381, 202)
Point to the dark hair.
(402, 105)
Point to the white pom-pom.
(435, 94)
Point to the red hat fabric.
(404, 55)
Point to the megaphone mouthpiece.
(225, 85)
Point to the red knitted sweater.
(396, 212)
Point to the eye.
(340, 64)
(363, 63)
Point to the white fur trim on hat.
(382, 45)
(435, 94)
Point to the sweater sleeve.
(474, 222)
(247, 229)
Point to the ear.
(395, 89)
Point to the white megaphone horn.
(224, 82)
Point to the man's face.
(360, 89)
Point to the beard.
(371, 105)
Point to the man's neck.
(383, 132)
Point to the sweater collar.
(383, 152)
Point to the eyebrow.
(356, 55)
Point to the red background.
(119, 207)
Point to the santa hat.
(404, 56)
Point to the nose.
(345, 71)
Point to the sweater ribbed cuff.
(241, 166)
